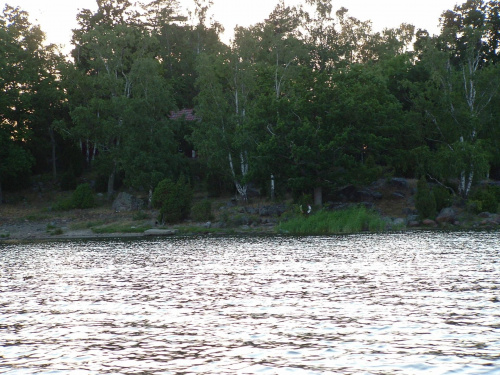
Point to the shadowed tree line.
(304, 102)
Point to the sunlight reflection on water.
(414, 303)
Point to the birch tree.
(457, 103)
(222, 137)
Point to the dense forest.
(306, 101)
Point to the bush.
(202, 211)
(83, 197)
(425, 203)
(442, 196)
(173, 200)
(488, 200)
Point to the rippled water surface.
(418, 303)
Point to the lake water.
(412, 303)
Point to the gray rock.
(429, 223)
(127, 202)
(447, 215)
(398, 195)
(275, 210)
(412, 218)
(160, 232)
(366, 194)
(398, 222)
(400, 182)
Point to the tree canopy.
(304, 102)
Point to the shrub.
(425, 203)
(173, 200)
(474, 206)
(82, 197)
(442, 196)
(488, 200)
(202, 211)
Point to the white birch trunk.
(88, 153)
(241, 188)
(273, 191)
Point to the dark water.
(418, 303)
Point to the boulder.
(400, 182)
(127, 202)
(447, 215)
(484, 215)
(160, 232)
(429, 223)
(412, 218)
(398, 195)
(275, 210)
(347, 193)
(398, 222)
(368, 195)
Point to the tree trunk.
(242, 189)
(465, 183)
(111, 182)
(318, 196)
(150, 198)
(273, 191)
(53, 144)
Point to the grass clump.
(351, 220)
(202, 211)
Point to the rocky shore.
(31, 217)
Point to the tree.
(31, 102)
(222, 137)
(14, 159)
(149, 151)
(457, 101)
(108, 44)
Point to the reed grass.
(351, 220)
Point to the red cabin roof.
(187, 114)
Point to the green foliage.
(425, 202)
(83, 197)
(173, 200)
(485, 200)
(474, 206)
(351, 220)
(340, 104)
(442, 196)
(140, 215)
(15, 161)
(202, 211)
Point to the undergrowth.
(350, 220)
